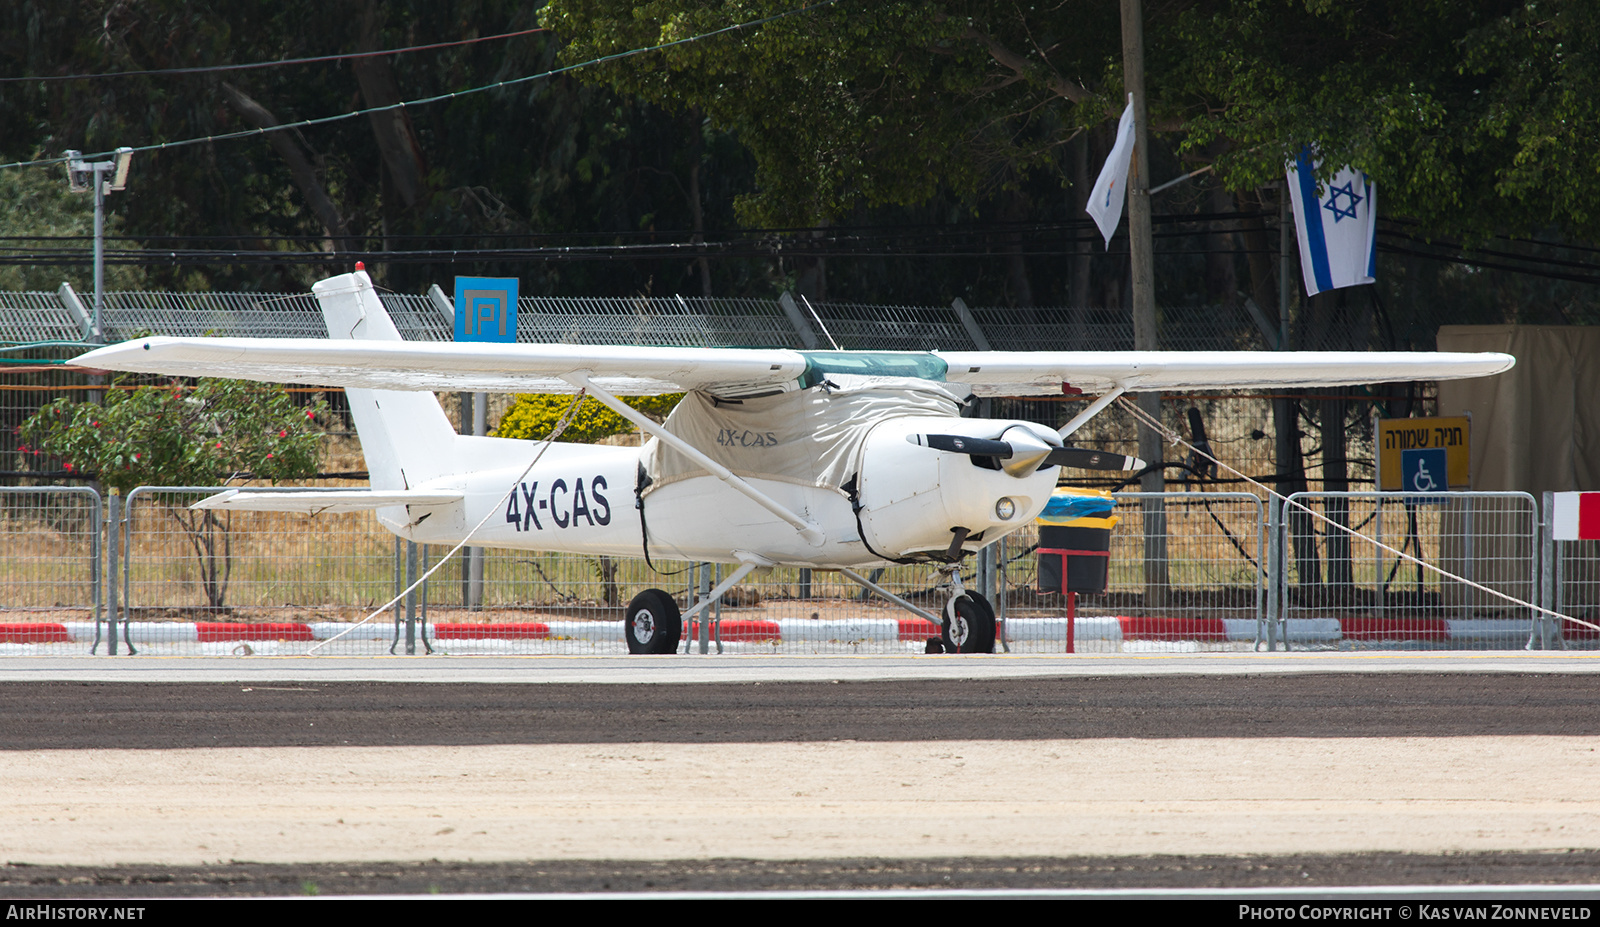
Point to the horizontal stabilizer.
(317, 501)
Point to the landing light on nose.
(1005, 508)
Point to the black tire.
(654, 624)
(972, 630)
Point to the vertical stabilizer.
(405, 436)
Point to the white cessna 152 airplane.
(834, 460)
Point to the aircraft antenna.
(819, 323)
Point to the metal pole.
(1285, 223)
(1263, 570)
(707, 581)
(1547, 598)
(97, 572)
(1001, 592)
(422, 592)
(715, 614)
(705, 624)
(1381, 609)
(125, 534)
(411, 598)
(1274, 569)
(113, 548)
(480, 427)
(398, 585)
(99, 240)
(1142, 263)
(1468, 558)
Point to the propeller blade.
(960, 444)
(1083, 458)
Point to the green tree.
(854, 104)
(544, 156)
(37, 204)
(178, 435)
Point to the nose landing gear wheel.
(968, 625)
(653, 625)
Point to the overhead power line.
(437, 98)
(211, 69)
(797, 236)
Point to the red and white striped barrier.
(1107, 629)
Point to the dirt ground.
(174, 789)
(651, 801)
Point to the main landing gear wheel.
(968, 624)
(654, 623)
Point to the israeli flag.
(1111, 188)
(1338, 230)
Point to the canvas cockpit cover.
(812, 437)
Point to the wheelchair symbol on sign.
(1425, 470)
(1423, 480)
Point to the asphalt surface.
(57, 715)
(85, 716)
(1295, 873)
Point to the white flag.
(1105, 200)
(1338, 230)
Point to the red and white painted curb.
(1111, 629)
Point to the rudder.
(405, 436)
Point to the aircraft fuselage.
(582, 499)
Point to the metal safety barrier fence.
(242, 583)
(1569, 583)
(1335, 590)
(1202, 589)
(1186, 572)
(50, 573)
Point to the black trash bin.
(1074, 553)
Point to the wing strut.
(807, 529)
(874, 587)
(1093, 410)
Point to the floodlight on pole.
(82, 176)
(79, 174)
(119, 180)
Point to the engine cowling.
(914, 499)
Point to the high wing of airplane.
(836, 460)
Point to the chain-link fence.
(215, 583)
(50, 575)
(1185, 572)
(1336, 590)
(1569, 584)
(1235, 425)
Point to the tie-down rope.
(1176, 439)
(561, 426)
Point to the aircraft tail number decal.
(560, 504)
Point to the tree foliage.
(178, 435)
(1471, 117)
(854, 104)
(534, 416)
(38, 204)
(543, 156)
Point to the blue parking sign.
(486, 309)
(1424, 470)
